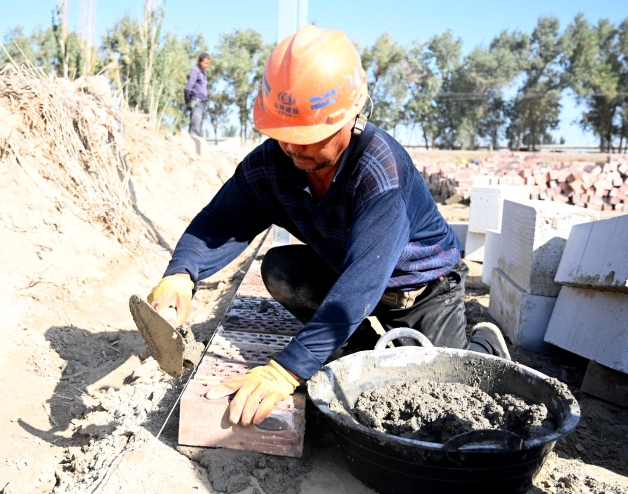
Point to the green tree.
(536, 108)
(595, 70)
(480, 81)
(219, 101)
(240, 60)
(136, 57)
(148, 68)
(430, 68)
(622, 126)
(384, 65)
(39, 48)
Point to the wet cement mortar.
(431, 411)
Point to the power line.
(482, 96)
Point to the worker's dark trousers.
(299, 280)
(196, 119)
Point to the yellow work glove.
(257, 392)
(173, 291)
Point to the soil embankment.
(93, 201)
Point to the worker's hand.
(257, 392)
(173, 291)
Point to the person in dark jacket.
(195, 94)
(374, 240)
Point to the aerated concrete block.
(492, 248)
(534, 234)
(486, 205)
(460, 228)
(474, 246)
(605, 383)
(592, 324)
(522, 316)
(596, 256)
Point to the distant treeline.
(455, 101)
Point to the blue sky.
(476, 22)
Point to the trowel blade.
(164, 342)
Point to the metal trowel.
(172, 346)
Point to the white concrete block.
(474, 247)
(522, 316)
(592, 324)
(596, 256)
(460, 228)
(492, 248)
(534, 234)
(486, 205)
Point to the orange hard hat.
(313, 85)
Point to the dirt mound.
(90, 193)
(93, 201)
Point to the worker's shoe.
(489, 337)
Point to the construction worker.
(375, 243)
(195, 94)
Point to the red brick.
(206, 423)
(600, 192)
(576, 186)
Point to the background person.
(195, 94)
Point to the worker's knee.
(274, 273)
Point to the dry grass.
(71, 136)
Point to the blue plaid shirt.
(377, 226)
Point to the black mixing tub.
(477, 462)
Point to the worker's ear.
(361, 119)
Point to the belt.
(402, 300)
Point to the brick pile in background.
(597, 186)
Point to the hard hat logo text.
(286, 108)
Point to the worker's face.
(323, 154)
(204, 64)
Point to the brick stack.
(254, 329)
(523, 291)
(597, 186)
